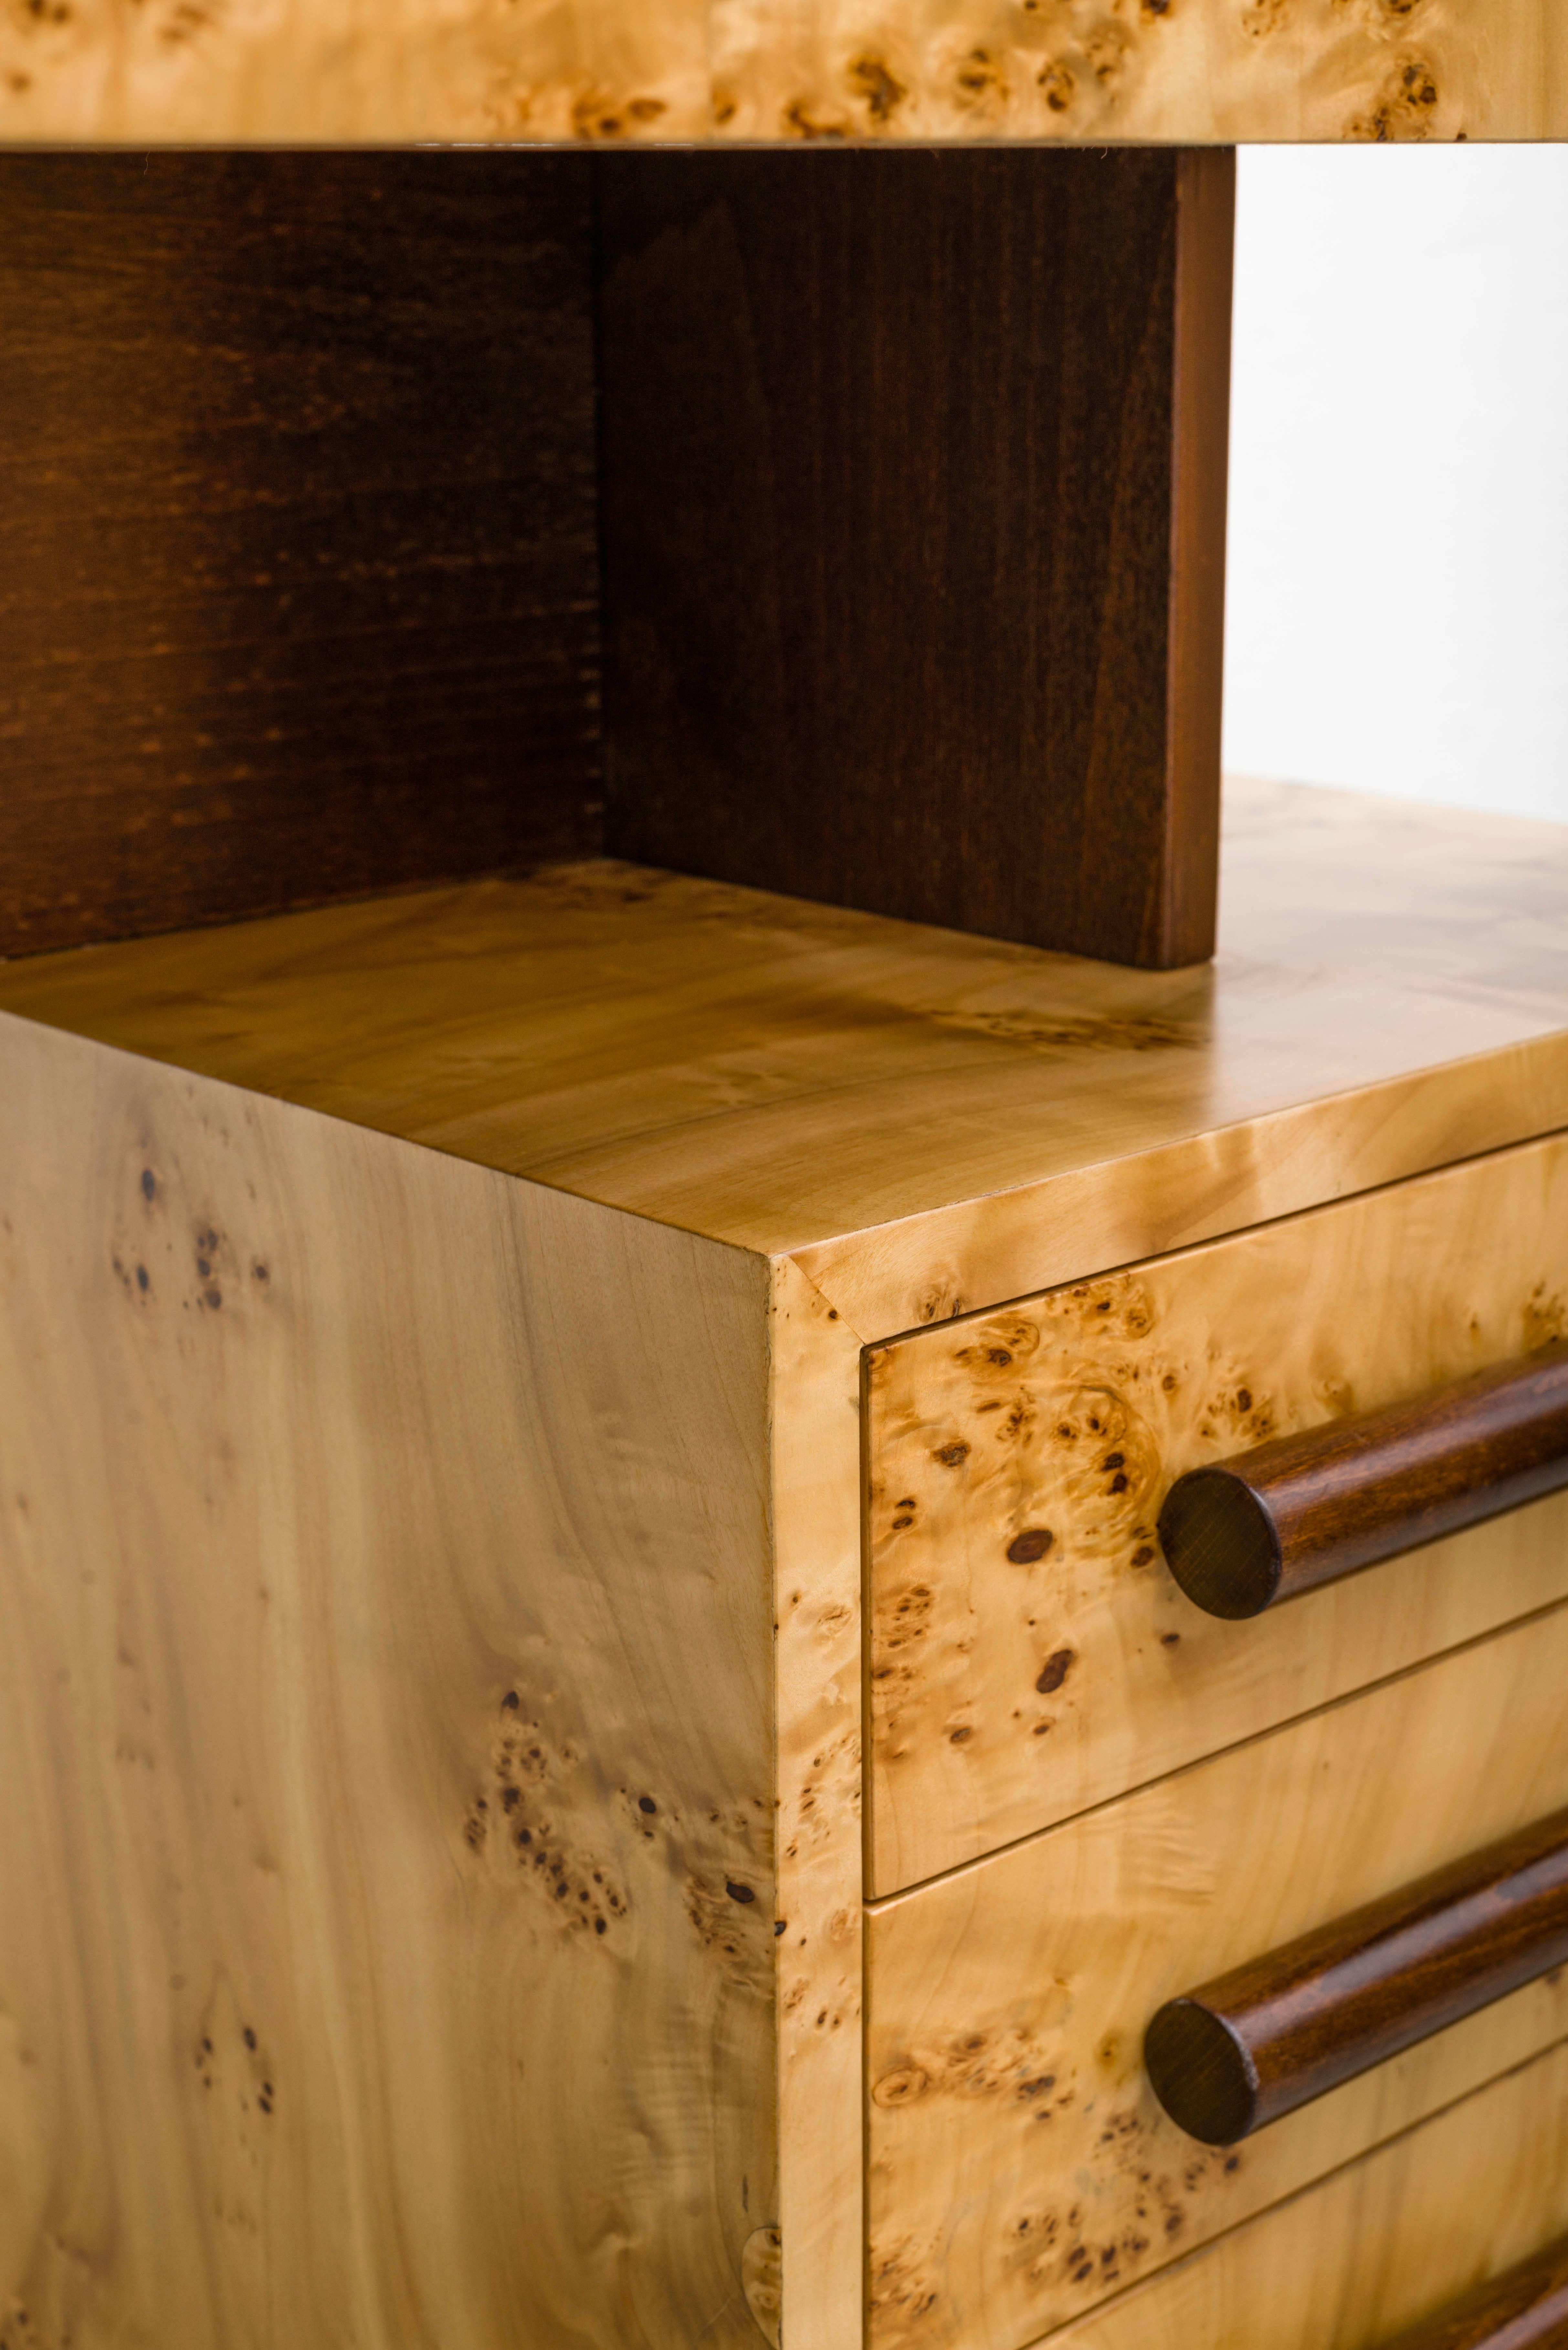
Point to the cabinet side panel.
(385, 1938)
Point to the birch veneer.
(435, 1905)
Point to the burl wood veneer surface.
(388, 1950)
(1020, 2166)
(726, 70)
(1387, 2240)
(1030, 1654)
(928, 1121)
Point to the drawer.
(1029, 1652)
(1020, 2168)
(1388, 2242)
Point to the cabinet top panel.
(929, 1121)
(708, 70)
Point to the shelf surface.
(711, 70)
(1391, 993)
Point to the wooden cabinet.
(442, 1603)
(1029, 1652)
(1384, 2243)
(603, 1740)
(1020, 2164)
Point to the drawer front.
(1030, 1654)
(1386, 2243)
(1020, 2168)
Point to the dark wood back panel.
(913, 490)
(910, 489)
(298, 566)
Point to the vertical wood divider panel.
(1201, 438)
(912, 512)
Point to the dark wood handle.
(1526, 2308)
(1302, 1510)
(1270, 2036)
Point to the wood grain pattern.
(1387, 2239)
(913, 521)
(1277, 2031)
(710, 1057)
(741, 69)
(296, 529)
(1029, 1652)
(925, 1121)
(1020, 2168)
(386, 1952)
(815, 1392)
(1333, 897)
(1526, 2308)
(1298, 1511)
(1200, 477)
(301, 513)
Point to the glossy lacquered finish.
(1242, 1535)
(1282, 2030)
(1526, 2308)
(447, 1370)
(812, 75)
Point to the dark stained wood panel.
(298, 566)
(913, 491)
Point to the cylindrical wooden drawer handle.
(1270, 2036)
(1526, 2308)
(1303, 1510)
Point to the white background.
(1398, 598)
